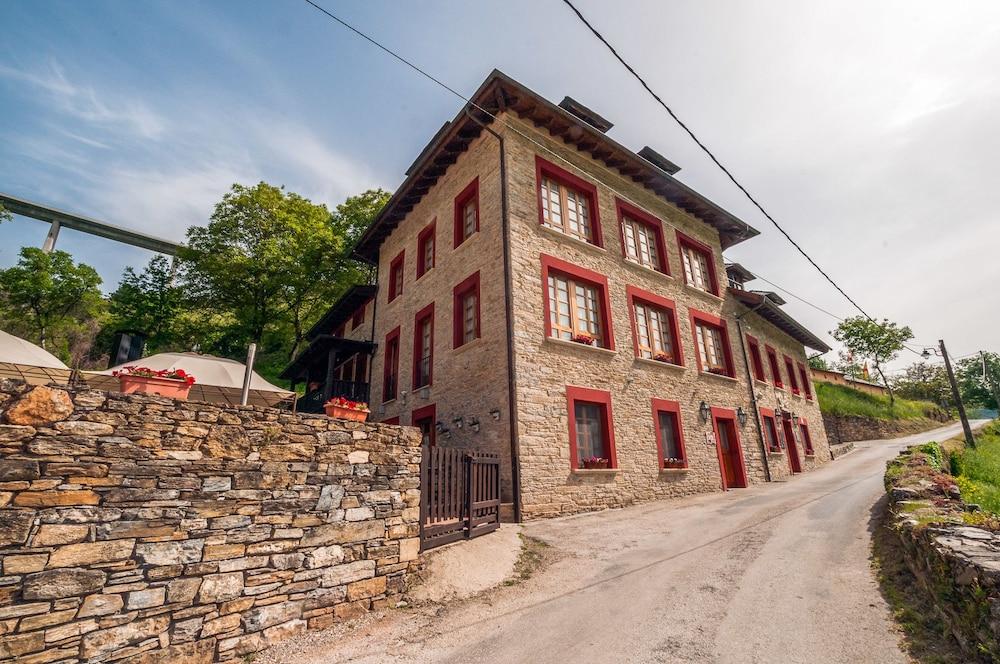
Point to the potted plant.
(674, 462)
(663, 357)
(718, 371)
(346, 409)
(585, 339)
(173, 383)
(595, 463)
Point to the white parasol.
(32, 364)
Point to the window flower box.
(170, 383)
(663, 357)
(595, 463)
(584, 339)
(674, 463)
(718, 371)
(345, 409)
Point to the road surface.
(775, 573)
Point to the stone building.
(549, 295)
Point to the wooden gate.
(459, 495)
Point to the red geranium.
(146, 372)
(341, 402)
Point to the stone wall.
(844, 428)
(142, 529)
(956, 564)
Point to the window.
(465, 313)
(423, 347)
(790, 370)
(567, 203)
(654, 327)
(756, 362)
(806, 438)
(390, 369)
(590, 431)
(712, 342)
(425, 249)
(770, 430)
(772, 359)
(576, 302)
(467, 212)
(425, 419)
(396, 277)
(669, 434)
(642, 237)
(699, 266)
(804, 375)
(358, 317)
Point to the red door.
(730, 453)
(793, 448)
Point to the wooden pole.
(969, 440)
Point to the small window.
(358, 318)
(390, 369)
(771, 433)
(655, 326)
(423, 347)
(467, 212)
(396, 277)
(591, 436)
(756, 361)
(669, 435)
(699, 266)
(712, 341)
(642, 237)
(790, 370)
(567, 203)
(772, 359)
(466, 311)
(425, 249)
(425, 419)
(806, 386)
(576, 302)
(806, 438)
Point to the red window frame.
(756, 361)
(429, 232)
(792, 379)
(627, 209)
(634, 293)
(806, 437)
(468, 285)
(387, 368)
(553, 264)
(471, 192)
(601, 398)
(688, 241)
(806, 387)
(665, 406)
(424, 315)
(358, 317)
(428, 412)
(767, 417)
(772, 360)
(396, 267)
(727, 351)
(547, 168)
(391, 420)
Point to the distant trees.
(819, 362)
(979, 387)
(925, 382)
(150, 302)
(871, 340)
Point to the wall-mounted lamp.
(495, 414)
(474, 424)
(777, 412)
(402, 397)
(741, 415)
(458, 421)
(439, 426)
(705, 410)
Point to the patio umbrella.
(217, 379)
(32, 364)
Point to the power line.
(713, 157)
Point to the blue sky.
(871, 131)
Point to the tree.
(353, 217)
(47, 298)
(148, 302)
(878, 342)
(819, 362)
(924, 382)
(849, 366)
(975, 388)
(4, 214)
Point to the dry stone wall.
(142, 529)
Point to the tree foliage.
(977, 389)
(819, 362)
(871, 340)
(50, 300)
(925, 382)
(151, 303)
(4, 214)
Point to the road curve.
(774, 573)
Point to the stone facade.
(141, 529)
(471, 382)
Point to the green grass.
(977, 470)
(842, 400)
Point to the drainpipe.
(753, 389)
(515, 464)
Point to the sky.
(869, 130)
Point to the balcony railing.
(313, 401)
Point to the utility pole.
(969, 440)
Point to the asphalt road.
(775, 573)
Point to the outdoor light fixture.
(458, 421)
(439, 425)
(741, 415)
(474, 424)
(705, 411)
(926, 354)
(777, 412)
(495, 414)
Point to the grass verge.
(977, 471)
(533, 557)
(846, 401)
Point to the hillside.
(843, 401)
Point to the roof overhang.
(762, 305)
(342, 309)
(500, 93)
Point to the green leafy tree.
(353, 217)
(4, 214)
(848, 365)
(49, 300)
(871, 340)
(924, 382)
(148, 302)
(978, 387)
(819, 362)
